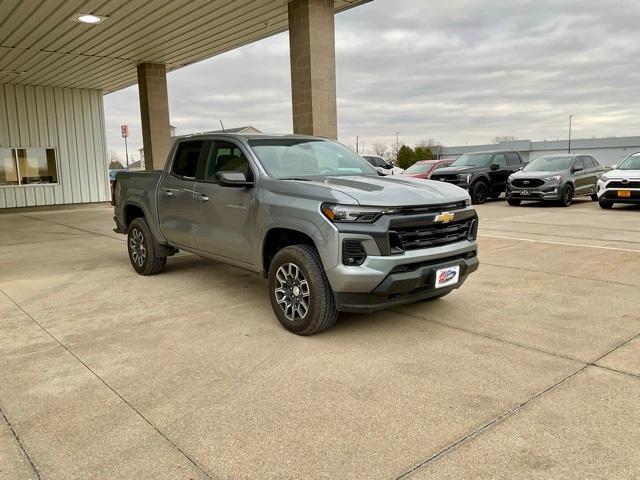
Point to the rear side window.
(589, 162)
(226, 157)
(185, 163)
(513, 159)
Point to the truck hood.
(389, 191)
(460, 169)
(543, 174)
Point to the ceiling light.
(89, 18)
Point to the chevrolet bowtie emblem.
(444, 217)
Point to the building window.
(27, 166)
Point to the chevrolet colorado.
(309, 214)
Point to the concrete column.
(154, 110)
(313, 67)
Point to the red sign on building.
(124, 130)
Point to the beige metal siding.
(72, 122)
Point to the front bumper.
(402, 287)
(541, 193)
(613, 195)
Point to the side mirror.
(233, 179)
(577, 168)
(494, 166)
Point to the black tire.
(479, 192)
(321, 312)
(605, 204)
(514, 202)
(594, 197)
(566, 197)
(142, 250)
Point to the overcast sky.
(461, 72)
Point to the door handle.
(168, 192)
(202, 197)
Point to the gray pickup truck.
(330, 234)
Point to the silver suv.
(308, 213)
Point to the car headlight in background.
(554, 178)
(604, 178)
(353, 213)
(466, 177)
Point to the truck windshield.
(472, 160)
(375, 161)
(288, 158)
(549, 164)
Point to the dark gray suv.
(557, 178)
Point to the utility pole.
(357, 144)
(570, 118)
(397, 146)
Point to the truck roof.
(249, 136)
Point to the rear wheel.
(514, 202)
(300, 294)
(605, 204)
(479, 193)
(566, 196)
(142, 251)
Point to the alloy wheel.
(292, 292)
(137, 247)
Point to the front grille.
(618, 184)
(434, 234)
(527, 182)
(443, 207)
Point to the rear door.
(224, 215)
(594, 170)
(175, 194)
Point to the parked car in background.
(557, 178)
(382, 166)
(483, 174)
(424, 168)
(307, 213)
(621, 184)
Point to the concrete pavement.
(528, 371)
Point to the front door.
(499, 176)
(224, 215)
(175, 195)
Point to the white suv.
(622, 184)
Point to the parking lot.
(531, 370)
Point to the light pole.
(357, 145)
(397, 146)
(570, 118)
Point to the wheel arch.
(276, 238)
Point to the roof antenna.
(222, 125)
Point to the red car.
(424, 168)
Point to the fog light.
(353, 253)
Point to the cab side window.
(588, 163)
(578, 163)
(185, 162)
(500, 160)
(513, 159)
(226, 157)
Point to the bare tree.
(380, 149)
(504, 138)
(428, 143)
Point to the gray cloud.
(459, 71)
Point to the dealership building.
(58, 59)
(608, 151)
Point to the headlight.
(353, 213)
(604, 178)
(466, 177)
(556, 178)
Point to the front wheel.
(566, 198)
(479, 193)
(300, 294)
(514, 202)
(142, 252)
(605, 204)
